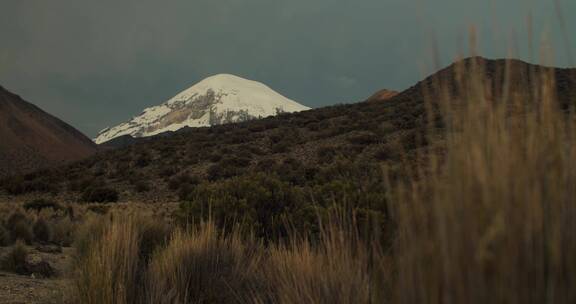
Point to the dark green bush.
(178, 181)
(18, 186)
(16, 217)
(217, 172)
(100, 195)
(98, 209)
(238, 162)
(142, 186)
(5, 238)
(39, 204)
(281, 147)
(386, 152)
(19, 226)
(259, 202)
(42, 231)
(143, 160)
(215, 157)
(21, 231)
(326, 154)
(362, 138)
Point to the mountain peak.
(218, 99)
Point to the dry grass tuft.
(492, 220)
(107, 266)
(203, 266)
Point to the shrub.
(386, 152)
(217, 172)
(362, 138)
(239, 162)
(15, 260)
(81, 184)
(143, 160)
(259, 201)
(14, 218)
(63, 232)
(281, 147)
(18, 186)
(98, 209)
(167, 171)
(100, 195)
(42, 230)
(19, 226)
(183, 179)
(265, 165)
(215, 157)
(326, 154)
(21, 231)
(142, 186)
(5, 238)
(40, 204)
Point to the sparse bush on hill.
(216, 157)
(386, 152)
(179, 181)
(326, 154)
(143, 160)
(40, 204)
(18, 186)
(99, 208)
(100, 195)
(142, 186)
(362, 138)
(167, 171)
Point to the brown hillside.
(32, 139)
(382, 95)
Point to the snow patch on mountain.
(216, 100)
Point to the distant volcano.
(215, 100)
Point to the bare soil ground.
(29, 289)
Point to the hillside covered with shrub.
(292, 167)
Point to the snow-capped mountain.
(216, 100)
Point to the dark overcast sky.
(98, 63)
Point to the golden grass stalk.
(493, 222)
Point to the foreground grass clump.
(493, 220)
(207, 265)
(107, 266)
(203, 266)
(333, 271)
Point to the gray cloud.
(97, 63)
